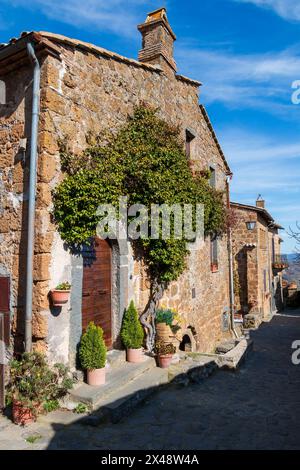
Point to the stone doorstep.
(233, 358)
(130, 384)
(116, 378)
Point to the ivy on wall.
(145, 160)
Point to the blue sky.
(245, 52)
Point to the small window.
(214, 253)
(189, 137)
(2, 92)
(212, 177)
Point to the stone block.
(41, 267)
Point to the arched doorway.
(97, 288)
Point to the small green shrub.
(92, 352)
(81, 408)
(51, 405)
(34, 438)
(63, 286)
(33, 382)
(132, 332)
(165, 316)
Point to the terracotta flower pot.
(22, 414)
(135, 355)
(166, 335)
(96, 377)
(165, 361)
(59, 297)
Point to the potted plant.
(132, 334)
(165, 352)
(60, 295)
(92, 354)
(168, 326)
(32, 384)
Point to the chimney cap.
(157, 16)
(260, 202)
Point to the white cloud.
(261, 81)
(264, 165)
(117, 16)
(287, 9)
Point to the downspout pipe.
(32, 193)
(231, 274)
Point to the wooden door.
(96, 289)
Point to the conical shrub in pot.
(92, 354)
(132, 334)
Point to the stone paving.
(257, 407)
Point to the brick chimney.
(158, 41)
(260, 202)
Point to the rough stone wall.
(253, 265)
(83, 93)
(14, 164)
(245, 261)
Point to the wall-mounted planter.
(59, 297)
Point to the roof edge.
(210, 126)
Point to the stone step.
(123, 401)
(116, 378)
(116, 358)
(193, 367)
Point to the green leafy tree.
(145, 160)
(92, 352)
(132, 333)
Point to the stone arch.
(188, 342)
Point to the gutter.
(32, 194)
(230, 256)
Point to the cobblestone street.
(255, 408)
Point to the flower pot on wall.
(135, 355)
(96, 377)
(59, 297)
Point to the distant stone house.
(258, 263)
(83, 89)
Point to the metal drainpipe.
(231, 276)
(32, 195)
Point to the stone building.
(84, 89)
(258, 263)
